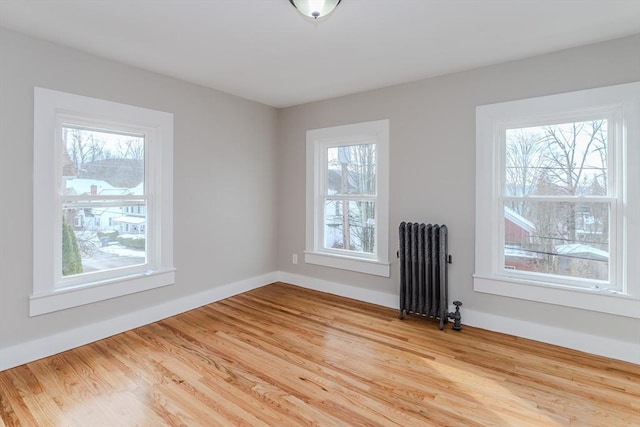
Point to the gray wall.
(238, 163)
(432, 166)
(224, 168)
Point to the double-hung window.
(557, 199)
(102, 200)
(347, 197)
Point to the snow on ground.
(122, 251)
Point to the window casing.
(556, 216)
(347, 197)
(102, 200)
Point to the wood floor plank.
(342, 371)
(286, 356)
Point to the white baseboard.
(374, 297)
(594, 344)
(42, 347)
(50, 345)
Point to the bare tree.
(364, 176)
(562, 160)
(83, 148)
(524, 162)
(121, 163)
(132, 148)
(569, 155)
(600, 183)
(357, 177)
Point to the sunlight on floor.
(104, 409)
(494, 397)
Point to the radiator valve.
(456, 316)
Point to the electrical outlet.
(294, 259)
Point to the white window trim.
(317, 141)
(488, 277)
(49, 296)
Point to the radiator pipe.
(456, 316)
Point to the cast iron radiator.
(423, 270)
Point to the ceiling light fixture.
(315, 8)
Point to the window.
(347, 197)
(102, 200)
(556, 205)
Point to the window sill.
(359, 265)
(73, 297)
(602, 301)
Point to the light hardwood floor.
(286, 356)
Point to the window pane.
(100, 162)
(103, 238)
(567, 159)
(560, 238)
(351, 169)
(350, 225)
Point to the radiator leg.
(443, 318)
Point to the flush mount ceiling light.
(315, 8)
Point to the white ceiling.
(264, 50)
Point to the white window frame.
(621, 103)
(51, 291)
(318, 141)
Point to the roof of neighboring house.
(138, 189)
(516, 252)
(334, 181)
(135, 220)
(582, 251)
(81, 186)
(114, 191)
(519, 220)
